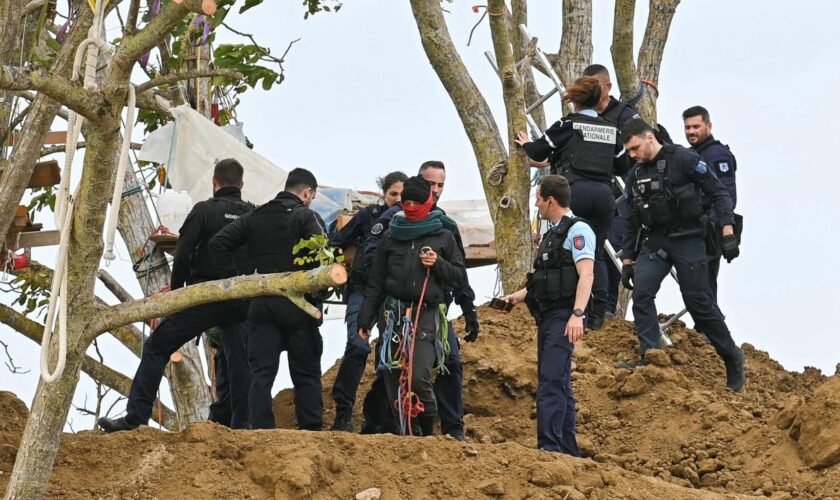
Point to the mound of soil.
(667, 430)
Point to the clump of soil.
(670, 429)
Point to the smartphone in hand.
(501, 305)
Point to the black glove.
(627, 276)
(471, 326)
(729, 247)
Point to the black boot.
(596, 322)
(343, 421)
(109, 425)
(735, 374)
(427, 424)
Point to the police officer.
(277, 324)
(356, 351)
(585, 149)
(449, 383)
(418, 265)
(698, 132)
(618, 113)
(556, 293)
(666, 230)
(194, 263)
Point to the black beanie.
(416, 189)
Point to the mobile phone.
(501, 305)
(425, 250)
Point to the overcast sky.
(360, 99)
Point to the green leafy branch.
(317, 249)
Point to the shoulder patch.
(701, 167)
(579, 242)
(723, 166)
(377, 228)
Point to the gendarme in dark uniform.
(277, 324)
(721, 161)
(665, 230)
(195, 263)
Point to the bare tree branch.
(651, 51)
(60, 148)
(10, 363)
(576, 42)
(291, 285)
(114, 287)
(95, 369)
(150, 35)
(56, 87)
(131, 19)
(176, 77)
(266, 56)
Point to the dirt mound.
(674, 420)
(667, 430)
(13, 414)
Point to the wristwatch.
(578, 312)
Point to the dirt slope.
(670, 431)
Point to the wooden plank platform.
(46, 173)
(165, 242)
(30, 239)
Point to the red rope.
(411, 405)
(652, 85)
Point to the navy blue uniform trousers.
(556, 417)
(688, 257)
(175, 331)
(278, 325)
(355, 357)
(221, 411)
(594, 201)
(449, 390)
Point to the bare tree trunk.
(512, 238)
(189, 390)
(650, 53)
(519, 15)
(622, 48)
(576, 43)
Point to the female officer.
(356, 351)
(583, 148)
(417, 264)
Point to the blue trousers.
(594, 201)
(688, 257)
(354, 360)
(175, 331)
(449, 390)
(556, 418)
(278, 325)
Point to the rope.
(497, 173)
(408, 403)
(64, 203)
(116, 199)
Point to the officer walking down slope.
(665, 230)
(585, 149)
(556, 294)
(698, 132)
(195, 263)
(277, 324)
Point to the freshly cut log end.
(339, 274)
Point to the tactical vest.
(553, 282)
(664, 201)
(359, 271)
(224, 210)
(590, 151)
(271, 252)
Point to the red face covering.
(416, 213)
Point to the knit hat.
(416, 189)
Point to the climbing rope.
(408, 403)
(119, 181)
(64, 202)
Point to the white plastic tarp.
(190, 147)
(473, 218)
